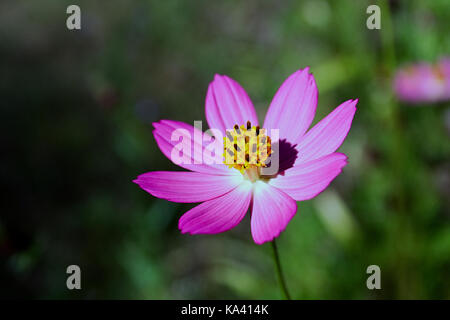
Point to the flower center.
(247, 148)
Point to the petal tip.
(156, 124)
(258, 242)
(268, 239)
(218, 76)
(181, 225)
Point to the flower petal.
(327, 135)
(293, 107)
(163, 136)
(228, 104)
(186, 186)
(306, 180)
(272, 211)
(219, 214)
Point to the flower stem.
(280, 276)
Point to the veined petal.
(219, 214)
(272, 211)
(306, 180)
(228, 104)
(327, 135)
(187, 186)
(163, 136)
(293, 107)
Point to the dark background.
(76, 111)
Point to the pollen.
(246, 147)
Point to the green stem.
(280, 276)
(398, 157)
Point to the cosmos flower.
(307, 159)
(423, 82)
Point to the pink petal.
(228, 104)
(219, 214)
(293, 107)
(306, 180)
(272, 211)
(327, 135)
(186, 186)
(163, 134)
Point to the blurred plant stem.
(279, 271)
(398, 158)
(394, 121)
(387, 37)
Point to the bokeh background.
(77, 108)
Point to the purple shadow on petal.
(287, 154)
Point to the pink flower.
(308, 161)
(423, 82)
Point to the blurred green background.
(77, 107)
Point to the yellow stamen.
(247, 148)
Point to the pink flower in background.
(308, 161)
(423, 82)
